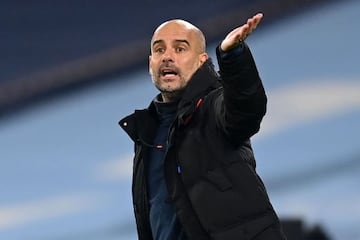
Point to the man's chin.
(169, 88)
(172, 93)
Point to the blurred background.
(71, 69)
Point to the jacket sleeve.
(242, 104)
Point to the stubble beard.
(170, 93)
(167, 91)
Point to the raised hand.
(241, 33)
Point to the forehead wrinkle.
(187, 28)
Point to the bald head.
(184, 27)
(177, 51)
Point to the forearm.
(244, 100)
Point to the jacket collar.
(203, 80)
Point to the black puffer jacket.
(209, 163)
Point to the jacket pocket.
(213, 199)
(227, 196)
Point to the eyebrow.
(177, 40)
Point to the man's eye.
(159, 50)
(180, 49)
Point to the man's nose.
(168, 56)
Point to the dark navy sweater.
(163, 221)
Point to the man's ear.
(203, 57)
(150, 64)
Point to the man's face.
(176, 54)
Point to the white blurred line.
(118, 169)
(342, 209)
(300, 103)
(27, 212)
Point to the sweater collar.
(164, 109)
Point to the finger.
(254, 21)
(244, 33)
(257, 18)
(252, 25)
(241, 33)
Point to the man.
(194, 170)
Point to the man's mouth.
(168, 72)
